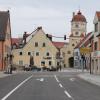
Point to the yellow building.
(39, 47)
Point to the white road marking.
(5, 97)
(72, 79)
(61, 85)
(67, 94)
(56, 78)
(41, 79)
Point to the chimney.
(73, 14)
(39, 28)
(24, 37)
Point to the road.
(47, 86)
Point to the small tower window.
(73, 44)
(76, 25)
(76, 33)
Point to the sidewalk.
(94, 79)
(85, 75)
(2, 74)
(73, 70)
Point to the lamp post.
(82, 61)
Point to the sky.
(53, 15)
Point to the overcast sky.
(53, 15)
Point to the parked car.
(27, 67)
(53, 68)
(35, 68)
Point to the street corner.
(91, 78)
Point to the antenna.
(79, 7)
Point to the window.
(50, 63)
(36, 44)
(37, 53)
(20, 53)
(73, 44)
(76, 33)
(20, 62)
(76, 25)
(95, 46)
(69, 52)
(43, 63)
(96, 27)
(29, 53)
(47, 54)
(43, 44)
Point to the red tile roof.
(82, 35)
(58, 44)
(15, 41)
(79, 17)
(79, 44)
(98, 15)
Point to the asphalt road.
(47, 86)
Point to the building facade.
(5, 39)
(39, 47)
(82, 52)
(95, 62)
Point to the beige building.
(39, 49)
(78, 32)
(95, 63)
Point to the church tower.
(78, 32)
(78, 25)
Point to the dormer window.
(43, 44)
(96, 27)
(47, 54)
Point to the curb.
(89, 78)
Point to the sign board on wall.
(85, 50)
